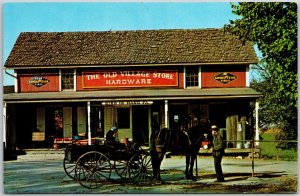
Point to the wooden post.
(252, 152)
(256, 123)
(89, 123)
(196, 160)
(166, 114)
(4, 124)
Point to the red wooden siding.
(208, 73)
(51, 77)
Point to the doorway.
(218, 113)
(54, 123)
(178, 116)
(97, 122)
(140, 128)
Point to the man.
(218, 151)
(111, 137)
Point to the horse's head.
(199, 134)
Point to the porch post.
(89, 122)
(256, 124)
(149, 122)
(4, 124)
(166, 114)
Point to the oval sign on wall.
(225, 77)
(38, 81)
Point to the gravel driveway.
(46, 175)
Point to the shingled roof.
(40, 49)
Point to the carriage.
(94, 165)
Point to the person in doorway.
(218, 152)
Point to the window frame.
(61, 75)
(196, 77)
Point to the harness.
(156, 139)
(167, 139)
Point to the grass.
(269, 150)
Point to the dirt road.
(48, 176)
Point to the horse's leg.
(193, 156)
(160, 159)
(157, 157)
(155, 163)
(187, 162)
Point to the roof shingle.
(38, 49)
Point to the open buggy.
(94, 165)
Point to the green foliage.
(270, 148)
(272, 26)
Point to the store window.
(192, 76)
(123, 118)
(67, 79)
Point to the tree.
(272, 26)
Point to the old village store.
(84, 83)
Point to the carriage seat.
(115, 146)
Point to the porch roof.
(133, 95)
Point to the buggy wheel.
(92, 169)
(140, 168)
(121, 168)
(69, 168)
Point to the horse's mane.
(197, 133)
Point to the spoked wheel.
(140, 168)
(121, 168)
(92, 169)
(69, 168)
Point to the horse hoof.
(191, 177)
(157, 181)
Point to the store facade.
(83, 83)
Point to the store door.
(178, 116)
(53, 123)
(217, 114)
(140, 128)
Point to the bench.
(58, 142)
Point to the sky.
(103, 16)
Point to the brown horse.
(178, 142)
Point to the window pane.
(192, 76)
(67, 79)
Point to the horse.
(187, 142)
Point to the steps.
(42, 154)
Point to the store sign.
(225, 77)
(127, 103)
(38, 81)
(129, 78)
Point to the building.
(70, 83)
